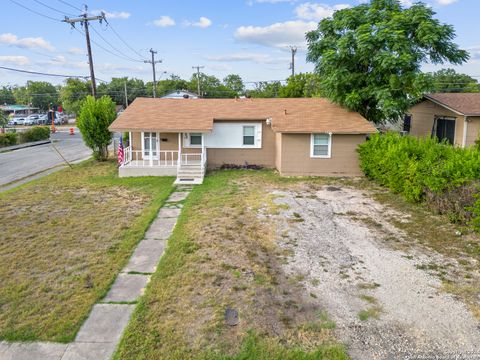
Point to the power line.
(34, 11)
(52, 8)
(121, 39)
(72, 6)
(114, 48)
(42, 73)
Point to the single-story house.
(451, 116)
(296, 136)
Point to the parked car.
(16, 121)
(31, 120)
(43, 120)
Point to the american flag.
(120, 152)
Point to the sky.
(251, 38)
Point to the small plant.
(8, 139)
(373, 312)
(35, 133)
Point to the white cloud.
(62, 61)
(203, 22)
(311, 11)
(164, 21)
(247, 57)
(76, 51)
(18, 60)
(26, 43)
(280, 34)
(122, 15)
(446, 2)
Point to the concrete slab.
(127, 287)
(178, 196)
(36, 350)
(169, 213)
(105, 323)
(146, 256)
(161, 229)
(89, 351)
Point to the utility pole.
(126, 95)
(83, 20)
(293, 49)
(198, 78)
(153, 62)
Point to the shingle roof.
(287, 115)
(464, 103)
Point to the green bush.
(8, 139)
(425, 170)
(35, 133)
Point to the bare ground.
(384, 302)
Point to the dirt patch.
(384, 299)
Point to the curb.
(23, 146)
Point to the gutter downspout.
(465, 131)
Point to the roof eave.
(444, 105)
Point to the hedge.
(8, 139)
(425, 170)
(35, 133)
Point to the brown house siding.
(422, 120)
(296, 160)
(265, 156)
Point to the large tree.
(234, 83)
(266, 89)
(301, 85)
(369, 56)
(40, 94)
(116, 89)
(6, 95)
(448, 80)
(73, 93)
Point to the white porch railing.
(163, 158)
(191, 158)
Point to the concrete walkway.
(100, 334)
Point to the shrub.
(426, 170)
(8, 139)
(35, 133)
(94, 118)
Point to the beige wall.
(296, 160)
(265, 156)
(473, 130)
(422, 120)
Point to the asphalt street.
(22, 163)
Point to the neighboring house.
(18, 110)
(180, 94)
(451, 116)
(296, 136)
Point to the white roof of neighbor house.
(180, 94)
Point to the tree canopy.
(368, 57)
(73, 93)
(448, 80)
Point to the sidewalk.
(99, 336)
(22, 146)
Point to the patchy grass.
(370, 313)
(223, 253)
(64, 238)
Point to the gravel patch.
(338, 240)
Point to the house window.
(321, 145)
(195, 139)
(249, 135)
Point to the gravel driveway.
(384, 306)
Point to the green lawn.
(63, 240)
(223, 254)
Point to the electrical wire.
(42, 73)
(113, 47)
(72, 6)
(52, 8)
(121, 39)
(34, 11)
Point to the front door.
(150, 145)
(446, 130)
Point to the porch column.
(179, 149)
(130, 145)
(203, 149)
(151, 148)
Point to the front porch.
(153, 154)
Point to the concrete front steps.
(190, 175)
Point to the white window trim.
(147, 157)
(255, 136)
(329, 155)
(187, 143)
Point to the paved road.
(18, 164)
